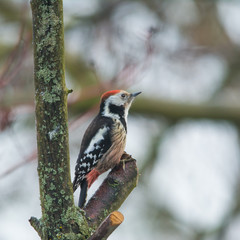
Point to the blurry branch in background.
(176, 110)
(103, 13)
(207, 31)
(233, 71)
(108, 7)
(16, 59)
(172, 111)
(131, 71)
(30, 158)
(5, 118)
(10, 11)
(152, 153)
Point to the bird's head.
(116, 102)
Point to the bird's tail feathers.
(75, 184)
(83, 193)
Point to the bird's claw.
(126, 158)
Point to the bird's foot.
(126, 158)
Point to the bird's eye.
(123, 95)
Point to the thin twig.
(30, 158)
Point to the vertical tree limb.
(59, 215)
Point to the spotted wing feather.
(96, 141)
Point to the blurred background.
(183, 129)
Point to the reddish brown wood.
(113, 191)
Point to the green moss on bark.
(60, 219)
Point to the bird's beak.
(135, 94)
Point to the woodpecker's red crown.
(108, 94)
(120, 93)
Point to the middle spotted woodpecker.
(104, 140)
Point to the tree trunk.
(52, 132)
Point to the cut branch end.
(116, 218)
(112, 221)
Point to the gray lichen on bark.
(59, 215)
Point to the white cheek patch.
(96, 139)
(126, 110)
(115, 100)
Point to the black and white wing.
(96, 141)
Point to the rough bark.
(60, 218)
(114, 189)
